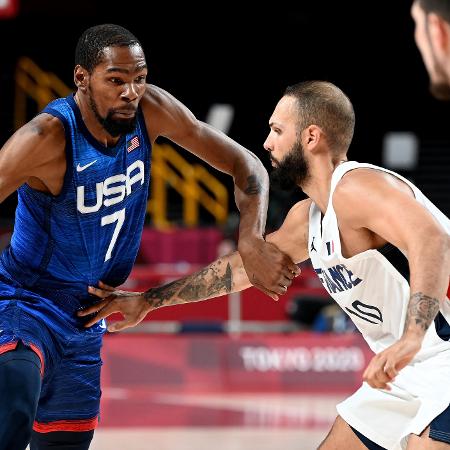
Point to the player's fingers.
(93, 308)
(288, 275)
(374, 382)
(390, 371)
(294, 269)
(381, 377)
(284, 288)
(105, 286)
(287, 281)
(122, 325)
(102, 314)
(101, 293)
(271, 294)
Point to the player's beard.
(113, 126)
(439, 89)
(292, 170)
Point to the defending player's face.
(116, 86)
(283, 129)
(425, 35)
(285, 147)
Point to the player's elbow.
(437, 240)
(249, 169)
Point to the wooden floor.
(230, 438)
(215, 422)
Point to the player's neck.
(318, 184)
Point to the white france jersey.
(372, 286)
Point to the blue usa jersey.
(89, 232)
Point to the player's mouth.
(126, 114)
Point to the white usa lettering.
(112, 190)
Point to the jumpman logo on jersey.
(312, 245)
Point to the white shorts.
(420, 393)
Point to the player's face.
(283, 129)
(286, 150)
(427, 45)
(116, 86)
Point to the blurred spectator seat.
(180, 245)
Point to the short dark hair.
(323, 104)
(93, 41)
(440, 7)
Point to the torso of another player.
(372, 286)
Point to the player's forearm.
(223, 276)
(251, 195)
(429, 267)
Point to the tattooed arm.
(223, 276)
(168, 117)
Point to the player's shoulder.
(298, 217)
(300, 210)
(156, 97)
(359, 182)
(364, 191)
(360, 176)
(43, 128)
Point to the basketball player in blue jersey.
(82, 170)
(381, 250)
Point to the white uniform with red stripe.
(373, 289)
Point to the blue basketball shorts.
(70, 363)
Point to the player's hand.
(132, 305)
(384, 367)
(268, 268)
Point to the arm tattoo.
(422, 310)
(208, 282)
(253, 186)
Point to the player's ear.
(80, 77)
(312, 136)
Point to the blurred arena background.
(240, 372)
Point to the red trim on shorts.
(38, 352)
(66, 425)
(12, 346)
(8, 347)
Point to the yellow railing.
(42, 87)
(169, 168)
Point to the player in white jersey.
(380, 248)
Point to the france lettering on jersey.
(373, 286)
(91, 231)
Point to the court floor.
(213, 422)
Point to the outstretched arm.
(170, 118)
(386, 206)
(223, 276)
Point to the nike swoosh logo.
(81, 168)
